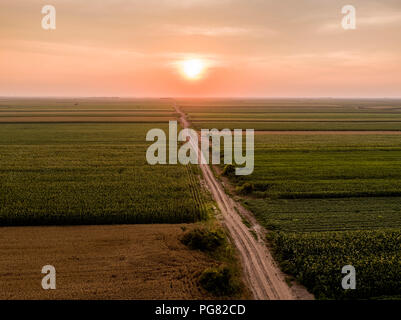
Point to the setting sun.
(192, 68)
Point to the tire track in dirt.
(265, 279)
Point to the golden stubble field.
(101, 262)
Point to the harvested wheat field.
(101, 262)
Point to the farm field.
(308, 215)
(101, 262)
(326, 166)
(329, 197)
(85, 111)
(84, 104)
(301, 125)
(200, 150)
(90, 173)
(328, 200)
(80, 194)
(295, 114)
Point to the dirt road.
(265, 279)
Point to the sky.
(249, 48)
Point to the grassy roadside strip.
(224, 279)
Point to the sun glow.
(192, 68)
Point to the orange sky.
(286, 48)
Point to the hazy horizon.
(202, 97)
(247, 49)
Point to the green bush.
(246, 188)
(203, 239)
(219, 281)
(229, 170)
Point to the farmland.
(329, 194)
(76, 189)
(295, 114)
(316, 258)
(89, 173)
(301, 125)
(326, 166)
(102, 262)
(326, 184)
(84, 111)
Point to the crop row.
(316, 260)
(91, 174)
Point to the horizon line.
(198, 97)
